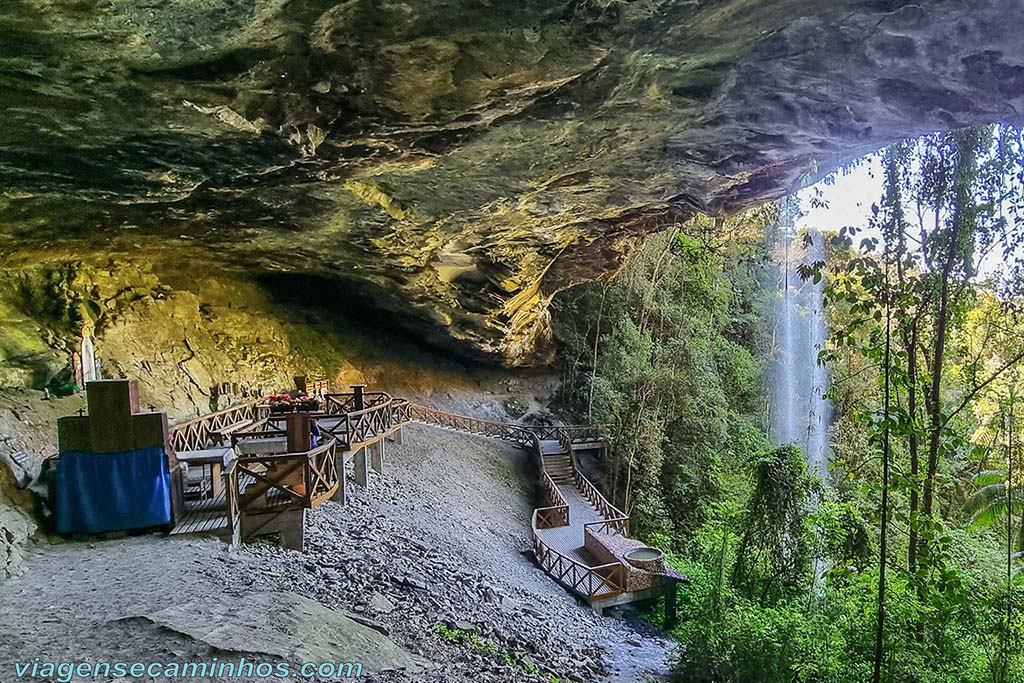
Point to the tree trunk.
(966, 145)
(597, 341)
(915, 464)
(884, 532)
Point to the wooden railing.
(615, 520)
(322, 479)
(557, 514)
(339, 404)
(496, 430)
(202, 432)
(523, 435)
(565, 443)
(293, 480)
(616, 526)
(367, 425)
(602, 581)
(582, 433)
(401, 411)
(268, 428)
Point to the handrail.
(345, 402)
(314, 467)
(214, 414)
(583, 433)
(367, 425)
(580, 577)
(322, 478)
(517, 434)
(196, 433)
(616, 526)
(263, 434)
(554, 495)
(590, 492)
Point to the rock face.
(16, 528)
(288, 627)
(457, 163)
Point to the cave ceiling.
(458, 162)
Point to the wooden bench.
(226, 431)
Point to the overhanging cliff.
(459, 162)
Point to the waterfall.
(801, 412)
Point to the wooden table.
(216, 458)
(272, 446)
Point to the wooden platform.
(568, 540)
(209, 516)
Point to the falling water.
(801, 412)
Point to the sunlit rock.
(459, 163)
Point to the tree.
(774, 557)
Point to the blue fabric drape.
(112, 491)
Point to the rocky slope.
(428, 561)
(458, 162)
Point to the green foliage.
(775, 551)
(827, 635)
(670, 355)
(667, 354)
(483, 645)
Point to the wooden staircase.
(559, 467)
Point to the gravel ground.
(439, 540)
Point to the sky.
(849, 198)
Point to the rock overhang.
(459, 163)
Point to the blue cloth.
(112, 491)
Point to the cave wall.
(180, 323)
(457, 163)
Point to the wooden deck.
(568, 540)
(257, 484)
(209, 516)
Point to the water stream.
(801, 411)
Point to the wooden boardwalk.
(559, 530)
(568, 540)
(261, 481)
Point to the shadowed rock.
(458, 163)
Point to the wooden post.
(341, 495)
(359, 460)
(396, 436)
(377, 456)
(298, 428)
(670, 605)
(358, 400)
